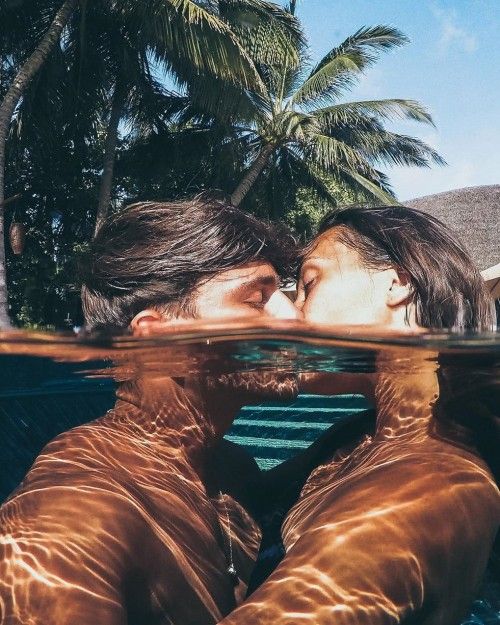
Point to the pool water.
(50, 384)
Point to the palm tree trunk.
(109, 156)
(7, 108)
(252, 174)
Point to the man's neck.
(180, 414)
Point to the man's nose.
(280, 307)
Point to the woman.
(391, 266)
(399, 528)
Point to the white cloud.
(451, 33)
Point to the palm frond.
(360, 183)
(389, 109)
(395, 149)
(293, 125)
(23, 26)
(329, 82)
(330, 153)
(308, 176)
(340, 68)
(151, 108)
(270, 34)
(223, 100)
(190, 40)
(349, 165)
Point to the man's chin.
(253, 387)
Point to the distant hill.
(474, 214)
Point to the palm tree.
(192, 53)
(303, 132)
(191, 39)
(24, 76)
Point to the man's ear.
(401, 289)
(145, 321)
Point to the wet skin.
(116, 523)
(335, 287)
(398, 529)
(124, 520)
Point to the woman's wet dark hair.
(448, 291)
(155, 254)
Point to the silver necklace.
(231, 569)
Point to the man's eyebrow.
(256, 283)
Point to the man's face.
(336, 288)
(245, 292)
(248, 292)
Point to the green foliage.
(243, 82)
(312, 134)
(57, 135)
(310, 208)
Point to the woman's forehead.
(328, 246)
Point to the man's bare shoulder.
(74, 485)
(80, 503)
(94, 453)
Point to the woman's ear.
(146, 322)
(401, 289)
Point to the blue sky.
(452, 65)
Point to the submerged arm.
(389, 549)
(61, 558)
(284, 482)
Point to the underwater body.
(433, 383)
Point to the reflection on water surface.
(52, 384)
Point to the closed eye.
(256, 305)
(308, 286)
(257, 300)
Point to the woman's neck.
(405, 394)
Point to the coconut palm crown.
(304, 132)
(106, 53)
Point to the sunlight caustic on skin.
(124, 519)
(117, 519)
(121, 521)
(397, 531)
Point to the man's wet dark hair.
(448, 290)
(155, 254)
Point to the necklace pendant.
(233, 574)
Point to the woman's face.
(335, 287)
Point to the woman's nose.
(280, 307)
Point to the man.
(398, 529)
(145, 516)
(125, 520)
